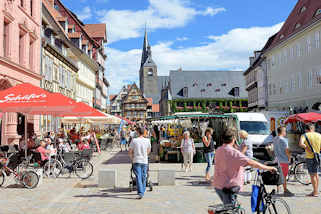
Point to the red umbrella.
(30, 99)
(83, 110)
(310, 117)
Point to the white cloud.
(85, 14)
(184, 38)
(229, 51)
(166, 14)
(212, 11)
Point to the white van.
(257, 126)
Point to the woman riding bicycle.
(229, 170)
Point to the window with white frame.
(60, 75)
(285, 55)
(317, 39)
(299, 80)
(298, 50)
(292, 52)
(48, 68)
(308, 45)
(273, 60)
(310, 79)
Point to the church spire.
(145, 51)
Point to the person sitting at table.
(63, 145)
(83, 145)
(43, 151)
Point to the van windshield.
(255, 127)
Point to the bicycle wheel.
(52, 168)
(278, 206)
(301, 173)
(30, 179)
(2, 178)
(83, 169)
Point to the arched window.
(150, 72)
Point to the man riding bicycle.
(229, 169)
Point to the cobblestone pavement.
(189, 196)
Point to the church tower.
(148, 77)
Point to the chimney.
(51, 2)
(251, 60)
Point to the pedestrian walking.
(283, 156)
(311, 143)
(229, 167)
(209, 147)
(138, 152)
(122, 139)
(246, 148)
(188, 150)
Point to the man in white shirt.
(139, 149)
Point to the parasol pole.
(26, 145)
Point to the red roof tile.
(63, 19)
(111, 97)
(155, 108)
(150, 101)
(304, 18)
(74, 35)
(96, 30)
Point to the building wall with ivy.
(208, 105)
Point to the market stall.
(296, 127)
(172, 133)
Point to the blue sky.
(192, 34)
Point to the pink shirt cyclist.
(229, 167)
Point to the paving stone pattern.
(190, 195)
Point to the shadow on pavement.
(107, 194)
(198, 183)
(119, 158)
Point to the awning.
(30, 99)
(310, 117)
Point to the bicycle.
(298, 170)
(81, 167)
(28, 179)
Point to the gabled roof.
(96, 30)
(134, 86)
(55, 15)
(298, 19)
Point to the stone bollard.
(166, 177)
(107, 178)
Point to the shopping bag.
(255, 197)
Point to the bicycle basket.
(270, 178)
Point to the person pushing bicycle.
(229, 169)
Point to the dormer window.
(297, 25)
(150, 72)
(318, 12)
(302, 9)
(282, 36)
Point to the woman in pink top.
(229, 168)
